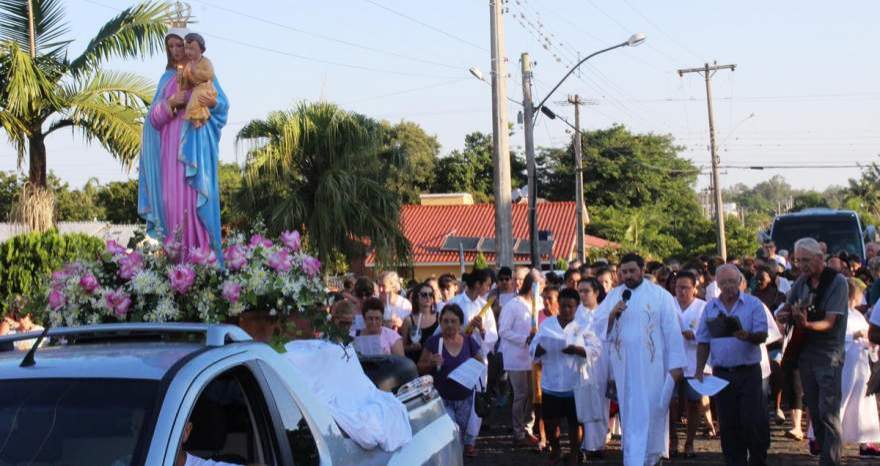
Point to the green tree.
(118, 199)
(409, 158)
(79, 205)
(471, 170)
(43, 91)
(808, 199)
(314, 168)
(229, 179)
(10, 185)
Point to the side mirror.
(870, 233)
(763, 236)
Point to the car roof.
(150, 360)
(127, 350)
(818, 212)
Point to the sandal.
(790, 434)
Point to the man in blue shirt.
(732, 328)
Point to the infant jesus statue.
(197, 75)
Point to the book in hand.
(723, 326)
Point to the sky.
(804, 92)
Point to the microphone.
(627, 293)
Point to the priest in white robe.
(646, 353)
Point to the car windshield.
(839, 234)
(101, 422)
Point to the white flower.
(145, 282)
(165, 311)
(258, 281)
(236, 309)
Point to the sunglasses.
(503, 279)
(426, 295)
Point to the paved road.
(495, 448)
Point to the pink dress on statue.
(179, 199)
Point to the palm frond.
(108, 107)
(17, 132)
(127, 87)
(136, 32)
(49, 25)
(28, 91)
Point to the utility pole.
(577, 142)
(500, 150)
(529, 130)
(708, 71)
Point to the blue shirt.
(731, 351)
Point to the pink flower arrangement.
(291, 240)
(311, 266)
(130, 264)
(115, 248)
(234, 257)
(165, 283)
(89, 283)
(258, 240)
(203, 256)
(119, 302)
(280, 261)
(231, 292)
(56, 299)
(182, 277)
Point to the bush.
(27, 260)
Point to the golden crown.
(180, 15)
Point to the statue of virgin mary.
(178, 192)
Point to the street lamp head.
(475, 72)
(636, 39)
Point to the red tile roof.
(427, 227)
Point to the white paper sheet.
(710, 385)
(468, 374)
(666, 393)
(552, 342)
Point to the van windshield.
(840, 234)
(76, 421)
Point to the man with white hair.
(817, 307)
(732, 328)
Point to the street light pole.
(577, 142)
(529, 117)
(529, 129)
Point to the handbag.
(483, 402)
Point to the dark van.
(841, 230)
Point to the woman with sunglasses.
(422, 323)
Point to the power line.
(328, 38)
(406, 91)
(428, 26)
(662, 31)
(299, 56)
(322, 61)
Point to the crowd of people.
(607, 348)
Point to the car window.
(297, 431)
(230, 421)
(76, 421)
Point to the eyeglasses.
(426, 295)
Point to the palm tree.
(316, 168)
(43, 91)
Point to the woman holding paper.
(442, 354)
(375, 340)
